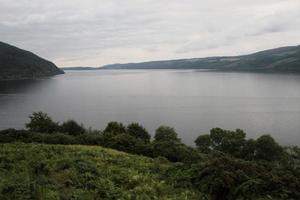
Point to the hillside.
(36, 171)
(16, 63)
(285, 59)
(224, 165)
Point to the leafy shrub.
(115, 127)
(72, 128)
(83, 172)
(13, 135)
(225, 165)
(224, 177)
(235, 144)
(174, 151)
(138, 131)
(41, 122)
(165, 133)
(230, 142)
(267, 149)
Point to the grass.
(39, 171)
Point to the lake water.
(191, 101)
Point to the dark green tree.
(231, 142)
(204, 143)
(248, 150)
(175, 151)
(266, 148)
(138, 131)
(72, 128)
(165, 133)
(217, 135)
(41, 122)
(115, 128)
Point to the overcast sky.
(97, 32)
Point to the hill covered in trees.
(16, 63)
(285, 59)
(224, 164)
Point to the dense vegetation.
(285, 59)
(83, 172)
(16, 63)
(223, 165)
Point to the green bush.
(83, 172)
(225, 177)
(266, 148)
(41, 122)
(235, 144)
(165, 133)
(231, 142)
(72, 128)
(225, 165)
(138, 131)
(115, 128)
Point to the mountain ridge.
(282, 59)
(17, 63)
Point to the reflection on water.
(21, 86)
(191, 101)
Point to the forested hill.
(284, 59)
(16, 63)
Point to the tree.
(267, 148)
(217, 135)
(72, 128)
(231, 142)
(41, 122)
(248, 151)
(115, 127)
(227, 178)
(204, 143)
(165, 133)
(167, 144)
(175, 151)
(138, 131)
(125, 142)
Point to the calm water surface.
(191, 101)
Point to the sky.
(97, 32)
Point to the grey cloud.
(96, 32)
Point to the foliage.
(41, 122)
(174, 151)
(32, 171)
(72, 127)
(267, 148)
(225, 165)
(125, 142)
(165, 133)
(204, 143)
(115, 128)
(235, 144)
(230, 142)
(225, 177)
(138, 131)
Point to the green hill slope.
(285, 59)
(36, 171)
(16, 63)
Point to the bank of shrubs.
(224, 164)
(132, 138)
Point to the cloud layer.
(97, 32)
